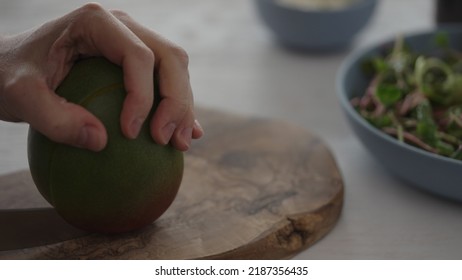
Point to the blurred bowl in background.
(315, 29)
(431, 172)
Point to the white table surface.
(236, 66)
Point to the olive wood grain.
(252, 189)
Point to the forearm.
(10, 70)
(5, 47)
(3, 52)
(4, 43)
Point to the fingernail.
(135, 127)
(89, 138)
(199, 129)
(186, 134)
(167, 132)
(198, 125)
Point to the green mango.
(124, 187)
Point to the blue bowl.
(315, 29)
(434, 173)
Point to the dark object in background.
(449, 11)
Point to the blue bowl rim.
(348, 63)
(355, 6)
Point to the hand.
(33, 64)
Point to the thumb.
(59, 120)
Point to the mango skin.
(126, 186)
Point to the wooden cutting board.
(252, 189)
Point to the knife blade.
(25, 228)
